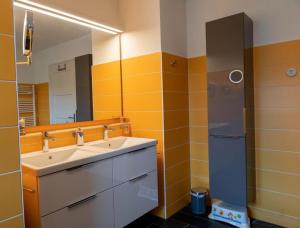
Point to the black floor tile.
(186, 219)
(260, 224)
(200, 221)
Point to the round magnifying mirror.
(236, 76)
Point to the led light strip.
(36, 7)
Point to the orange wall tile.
(10, 195)
(143, 97)
(9, 153)
(277, 131)
(176, 132)
(7, 56)
(35, 143)
(8, 114)
(106, 83)
(10, 176)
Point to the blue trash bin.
(199, 199)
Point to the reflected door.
(63, 92)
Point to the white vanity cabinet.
(66, 187)
(135, 180)
(133, 164)
(93, 212)
(102, 194)
(134, 198)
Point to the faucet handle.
(47, 136)
(79, 137)
(78, 132)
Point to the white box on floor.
(229, 213)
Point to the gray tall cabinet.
(230, 108)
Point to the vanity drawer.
(133, 164)
(134, 198)
(93, 212)
(61, 189)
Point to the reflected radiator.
(26, 104)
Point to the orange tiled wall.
(10, 180)
(277, 114)
(176, 132)
(35, 142)
(142, 92)
(156, 103)
(198, 121)
(106, 85)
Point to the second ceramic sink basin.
(51, 158)
(113, 143)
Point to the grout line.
(199, 160)
(131, 111)
(199, 143)
(142, 74)
(189, 116)
(178, 199)
(198, 92)
(178, 181)
(277, 171)
(279, 193)
(177, 110)
(201, 177)
(274, 150)
(134, 111)
(11, 218)
(163, 135)
(144, 93)
(8, 173)
(263, 86)
(8, 35)
(177, 146)
(7, 81)
(278, 108)
(8, 126)
(277, 129)
(198, 109)
(195, 126)
(152, 130)
(275, 213)
(177, 164)
(177, 128)
(202, 126)
(175, 91)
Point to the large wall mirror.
(74, 75)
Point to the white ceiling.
(48, 31)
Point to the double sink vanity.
(105, 183)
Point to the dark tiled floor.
(185, 219)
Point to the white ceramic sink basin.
(113, 143)
(50, 158)
(43, 163)
(117, 143)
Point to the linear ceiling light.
(36, 7)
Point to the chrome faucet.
(46, 138)
(106, 132)
(79, 137)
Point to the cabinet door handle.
(79, 166)
(82, 201)
(138, 177)
(28, 190)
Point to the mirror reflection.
(73, 71)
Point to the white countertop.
(72, 156)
